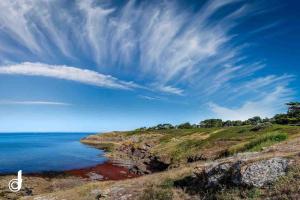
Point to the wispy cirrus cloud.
(169, 89)
(150, 98)
(269, 80)
(260, 86)
(49, 103)
(67, 73)
(159, 45)
(266, 106)
(160, 41)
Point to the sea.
(46, 152)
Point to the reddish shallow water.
(107, 170)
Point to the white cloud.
(150, 98)
(13, 20)
(258, 87)
(173, 41)
(160, 43)
(170, 90)
(267, 106)
(268, 80)
(51, 103)
(67, 73)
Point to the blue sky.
(117, 65)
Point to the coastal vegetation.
(292, 117)
(179, 146)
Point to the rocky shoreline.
(138, 159)
(45, 182)
(245, 169)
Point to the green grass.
(167, 183)
(264, 141)
(237, 193)
(177, 145)
(259, 142)
(178, 133)
(232, 139)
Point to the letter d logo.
(16, 184)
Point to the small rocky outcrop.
(195, 158)
(217, 174)
(243, 173)
(262, 172)
(143, 162)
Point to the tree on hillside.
(229, 123)
(294, 109)
(211, 123)
(141, 129)
(255, 120)
(165, 126)
(185, 126)
(281, 119)
(266, 120)
(292, 117)
(161, 127)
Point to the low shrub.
(168, 183)
(287, 187)
(261, 126)
(258, 143)
(266, 140)
(156, 193)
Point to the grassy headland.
(179, 146)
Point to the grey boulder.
(263, 172)
(243, 173)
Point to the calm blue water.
(37, 152)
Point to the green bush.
(211, 123)
(155, 193)
(186, 125)
(266, 140)
(258, 143)
(168, 183)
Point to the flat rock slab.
(263, 172)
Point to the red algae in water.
(105, 171)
